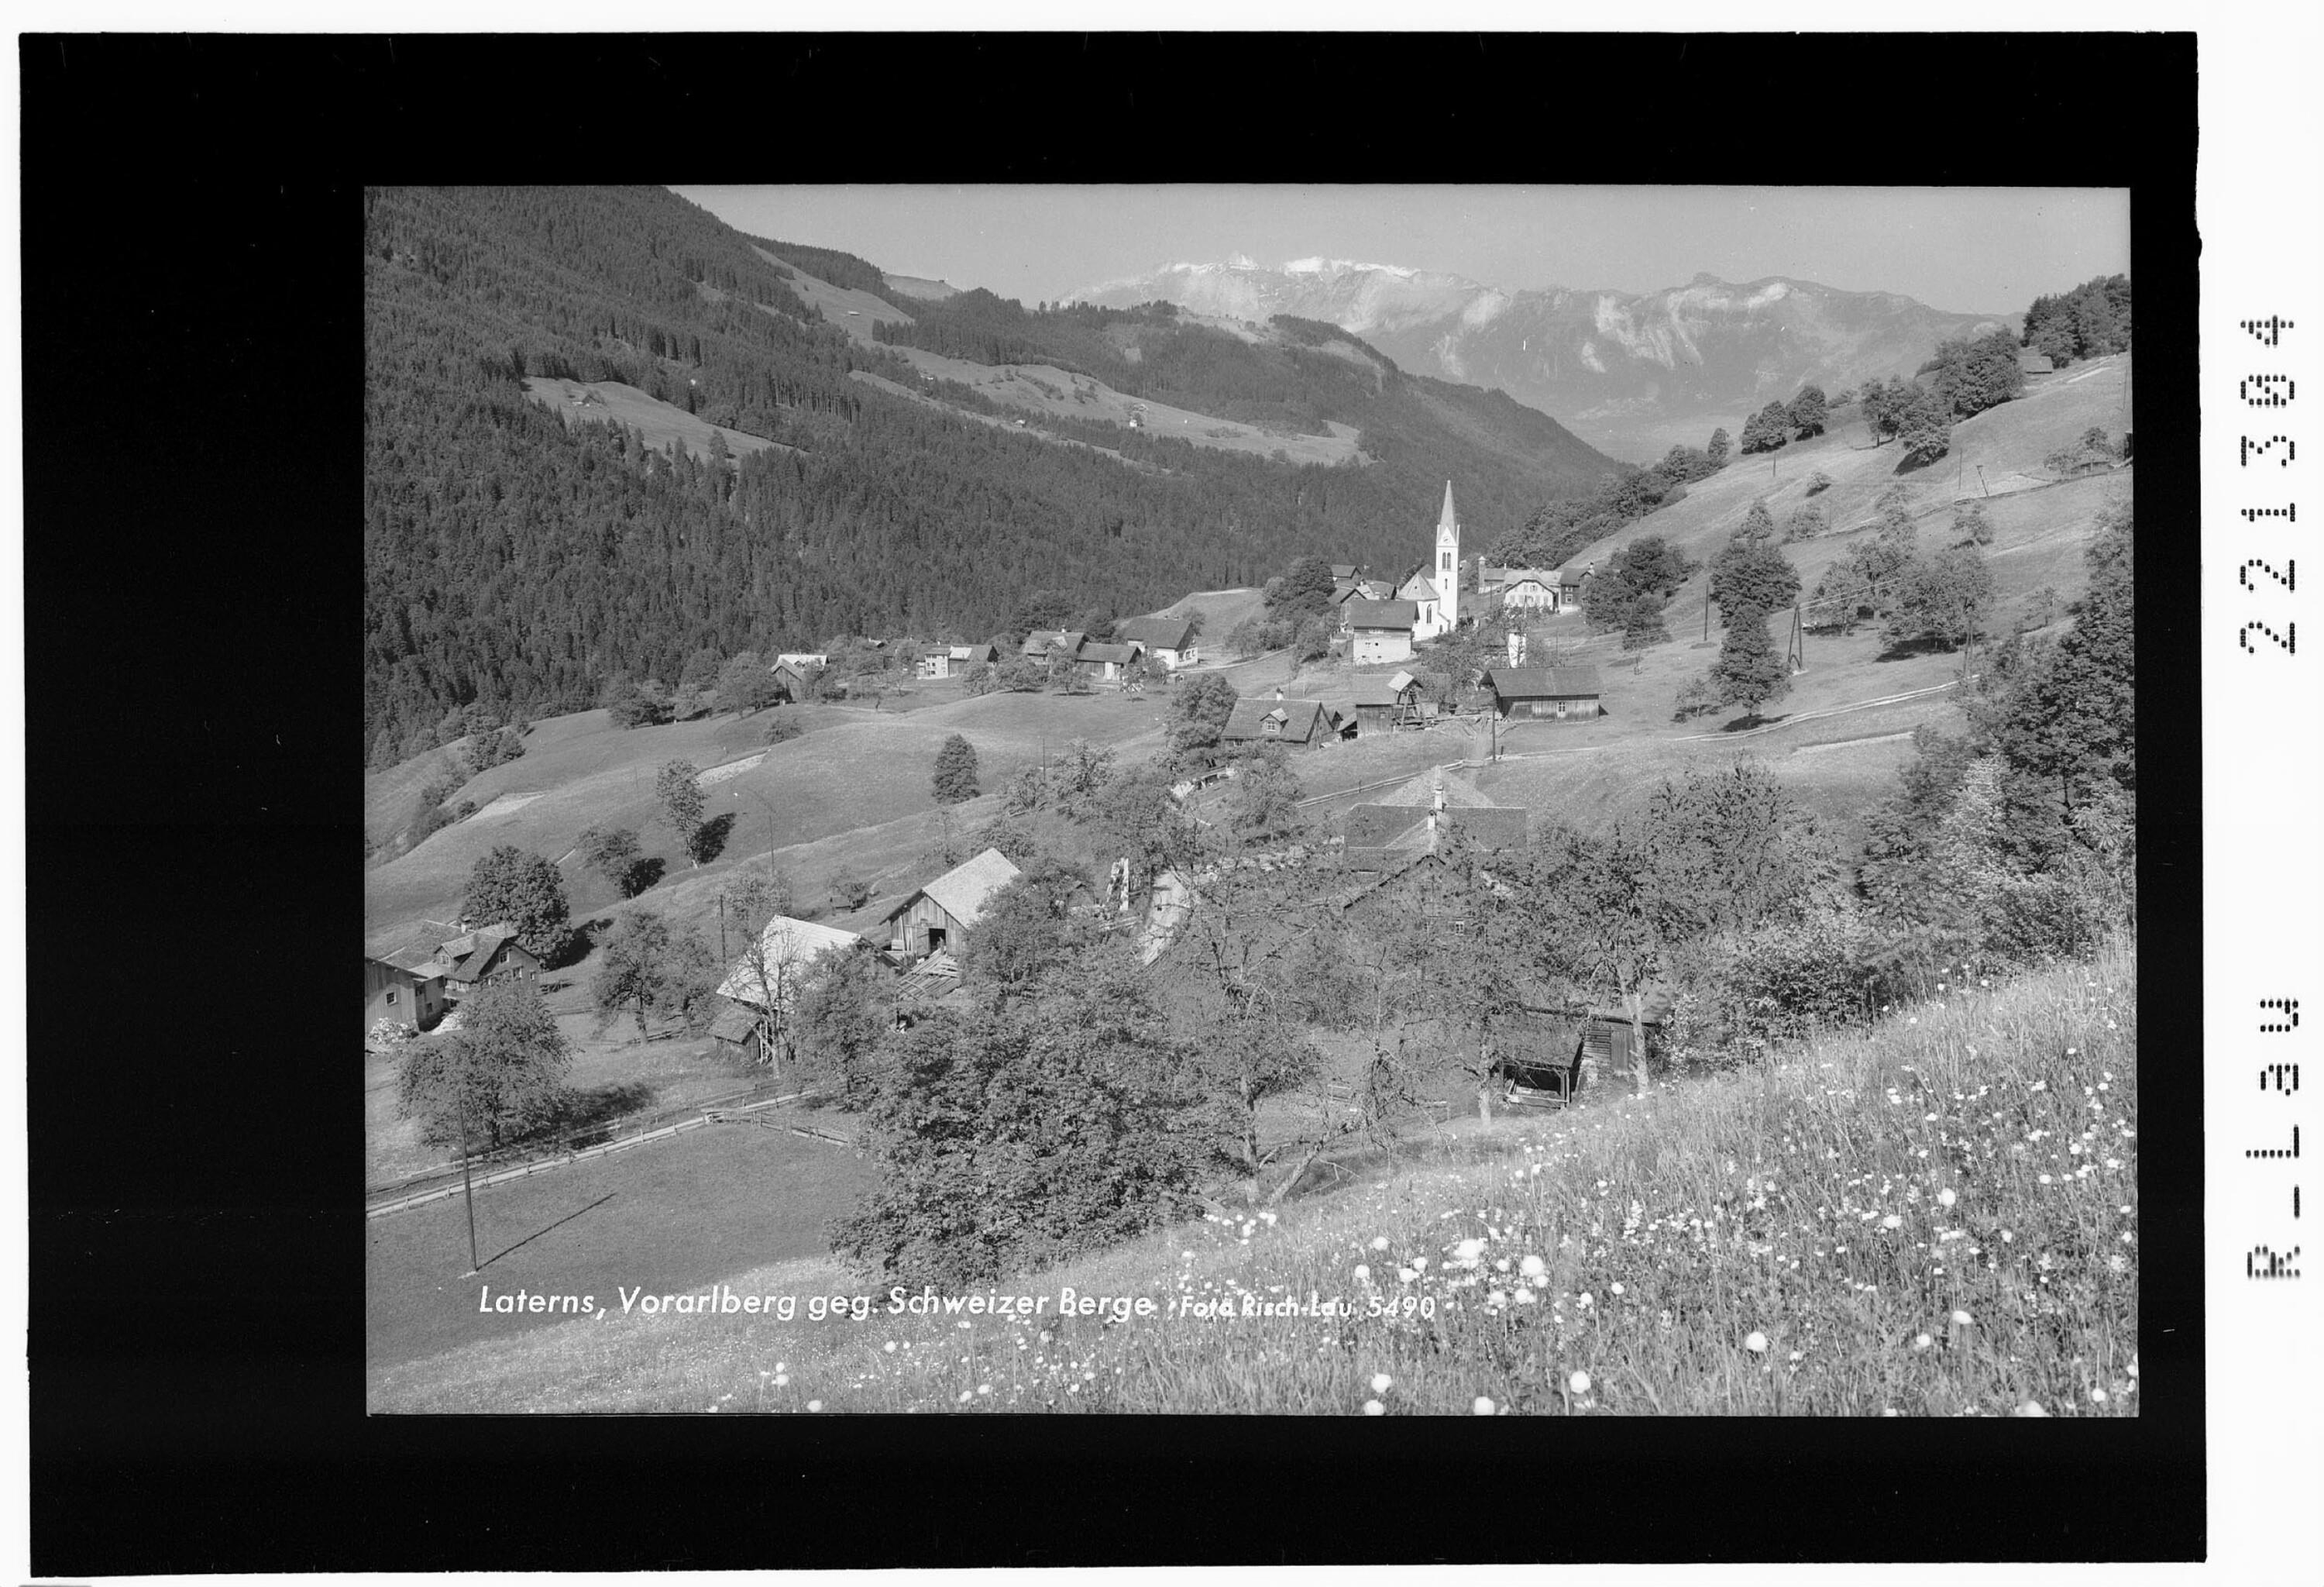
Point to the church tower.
(1448, 562)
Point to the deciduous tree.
(1749, 672)
(498, 1074)
(525, 891)
(611, 852)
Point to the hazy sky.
(1975, 250)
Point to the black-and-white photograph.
(1330, 800)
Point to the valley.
(895, 789)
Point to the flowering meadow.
(1940, 1217)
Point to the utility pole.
(721, 926)
(1706, 613)
(1980, 480)
(468, 1184)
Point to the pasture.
(1938, 1217)
(656, 423)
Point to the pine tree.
(675, 786)
(1749, 673)
(955, 773)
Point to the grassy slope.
(657, 422)
(1669, 1228)
(855, 772)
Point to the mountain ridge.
(1630, 373)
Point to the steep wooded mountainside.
(519, 561)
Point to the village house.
(933, 918)
(488, 953)
(1386, 701)
(1169, 641)
(762, 987)
(1046, 644)
(1417, 818)
(1555, 694)
(797, 677)
(1304, 723)
(1109, 661)
(1380, 631)
(948, 660)
(410, 995)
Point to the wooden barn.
(1386, 702)
(1552, 694)
(933, 919)
(1536, 1057)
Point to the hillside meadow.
(1938, 1217)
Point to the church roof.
(1382, 613)
(1445, 520)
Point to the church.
(1434, 589)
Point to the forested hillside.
(513, 561)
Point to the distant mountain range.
(1630, 373)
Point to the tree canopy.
(525, 891)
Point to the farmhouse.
(488, 953)
(1380, 631)
(1386, 701)
(945, 660)
(1558, 693)
(1107, 661)
(1417, 818)
(796, 677)
(1280, 721)
(933, 918)
(408, 994)
(1044, 643)
(1169, 641)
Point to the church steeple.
(1448, 560)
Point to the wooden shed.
(1555, 694)
(1386, 702)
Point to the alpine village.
(1150, 853)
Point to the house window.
(390, 996)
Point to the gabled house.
(1419, 817)
(1528, 589)
(408, 994)
(1558, 693)
(798, 679)
(1169, 641)
(489, 953)
(933, 918)
(946, 661)
(1046, 644)
(1380, 631)
(1304, 722)
(1107, 661)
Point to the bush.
(1805, 523)
(782, 727)
(1819, 482)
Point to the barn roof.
(736, 1022)
(784, 941)
(962, 891)
(1157, 633)
(1381, 688)
(1383, 613)
(1123, 654)
(1344, 570)
(1042, 641)
(2034, 363)
(1459, 791)
(1302, 720)
(1543, 683)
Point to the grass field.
(1937, 1218)
(666, 1214)
(657, 422)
